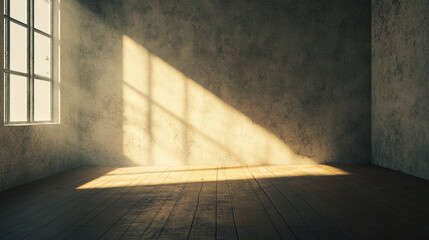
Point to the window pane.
(18, 48)
(18, 10)
(42, 55)
(18, 98)
(42, 15)
(42, 100)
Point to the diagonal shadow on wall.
(299, 71)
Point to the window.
(28, 61)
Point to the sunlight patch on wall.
(169, 119)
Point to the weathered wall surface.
(28, 153)
(400, 85)
(225, 82)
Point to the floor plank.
(204, 224)
(149, 216)
(225, 224)
(276, 219)
(322, 227)
(179, 222)
(99, 195)
(386, 210)
(219, 202)
(251, 219)
(348, 201)
(169, 201)
(16, 201)
(112, 212)
(284, 206)
(45, 209)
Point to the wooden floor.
(265, 202)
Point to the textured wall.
(233, 82)
(400, 85)
(28, 153)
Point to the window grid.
(30, 75)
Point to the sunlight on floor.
(143, 176)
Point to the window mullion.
(30, 105)
(42, 33)
(52, 58)
(7, 63)
(17, 21)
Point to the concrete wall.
(225, 82)
(400, 85)
(233, 82)
(28, 153)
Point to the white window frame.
(30, 75)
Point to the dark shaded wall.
(28, 153)
(299, 70)
(400, 85)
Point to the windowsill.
(30, 124)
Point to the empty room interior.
(214, 119)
